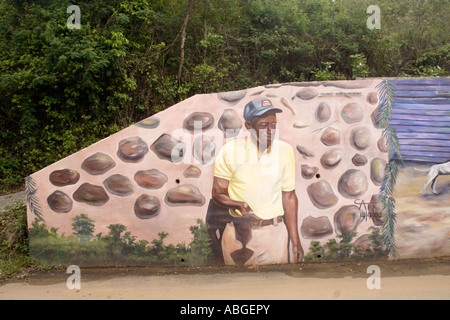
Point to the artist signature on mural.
(365, 208)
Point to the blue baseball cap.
(258, 107)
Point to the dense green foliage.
(63, 89)
(14, 254)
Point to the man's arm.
(221, 197)
(290, 206)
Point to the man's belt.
(266, 222)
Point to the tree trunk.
(183, 37)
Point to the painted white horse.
(433, 173)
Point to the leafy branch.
(32, 200)
(385, 108)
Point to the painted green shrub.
(118, 247)
(342, 248)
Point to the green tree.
(200, 246)
(359, 66)
(114, 242)
(83, 227)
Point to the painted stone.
(118, 185)
(372, 98)
(285, 103)
(230, 123)
(64, 177)
(303, 84)
(316, 228)
(381, 144)
(352, 184)
(308, 172)
(375, 210)
(168, 148)
(150, 179)
(232, 97)
(98, 164)
(360, 138)
(147, 207)
(273, 85)
(132, 149)
(91, 194)
(305, 152)
(184, 195)
(363, 243)
(198, 121)
(377, 170)
(149, 123)
(192, 172)
(352, 113)
(354, 84)
(60, 202)
(374, 116)
(204, 149)
(299, 125)
(347, 219)
(359, 160)
(331, 158)
(323, 112)
(257, 93)
(321, 194)
(307, 94)
(331, 137)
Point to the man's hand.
(297, 251)
(242, 209)
(290, 205)
(221, 197)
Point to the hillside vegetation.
(64, 88)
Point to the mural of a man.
(254, 189)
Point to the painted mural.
(283, 173)
(421, 120)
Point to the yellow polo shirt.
(258, 181)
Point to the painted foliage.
(142, 196)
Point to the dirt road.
(422, 230)
(399, 279)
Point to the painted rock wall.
(156, 176)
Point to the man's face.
(263, 128)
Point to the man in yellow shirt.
(254, 181)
